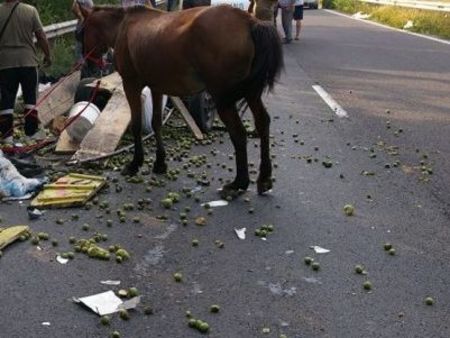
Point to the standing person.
(263, 9)
(287, 15)
(19, 23)
(131, 3)
(298, 17)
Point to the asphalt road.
(264, 289)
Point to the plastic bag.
(12, 183)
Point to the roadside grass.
(425, 22)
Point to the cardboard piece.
(69, 191)
(59, 100)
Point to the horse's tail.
(268, 61)
(266, 65)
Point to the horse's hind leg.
(262, 124)
(160, 166)
(238, 135)
(133, 93)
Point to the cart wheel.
(203, 110)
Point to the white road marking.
(445, 42)
(338, 110)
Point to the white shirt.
(299, 2)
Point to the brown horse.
(221, 49)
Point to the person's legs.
(29, 81)
(298, 17)
(9, 85)
(286, 20)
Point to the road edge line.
(431, 38)
(335, 107)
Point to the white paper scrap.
(62, 260)
(240, 233)
(319, 249)
(110, 282)
(46, 323)
(214, 204)
(130, 304)
(102, 304)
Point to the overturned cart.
(99, 115)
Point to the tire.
(84, 93)
(203, 110)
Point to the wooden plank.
(60, 99)
(110, 82)
(11, 234)
(109, 128)
(66, 145)
(187, 117)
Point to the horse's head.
(100, 29)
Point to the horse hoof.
(130, 170)
(160, 168)
(264, 186)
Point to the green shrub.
(425, 21)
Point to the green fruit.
(359, 269)
(105, 320)
(315, 266)
(367, 285)
(123, 314)
(72, 240)
(70, 255)
(119, 259)
(387, 246)
(122, 253)
(148, 310)
(43, 235)
(203, 327)
(349, 210)
(115, 334)
(188, 314)
(178, 277)
(308, 260)
(109, 223)
(192, 322)
(85, 227)
(136, 219)
(54, 242)
(167, 203)
(133, 292)
(35, 241)
(214, 308)
(392, 251)
(429, 301)
(195, 242)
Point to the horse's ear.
(85, 12)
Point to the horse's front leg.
(160, 166)
(133, 93)
(238, 135)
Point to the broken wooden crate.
(69, 191)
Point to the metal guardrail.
(62, 28)
(427, 5)
(58, 29)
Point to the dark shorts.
(298, 12)
(10, 79)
